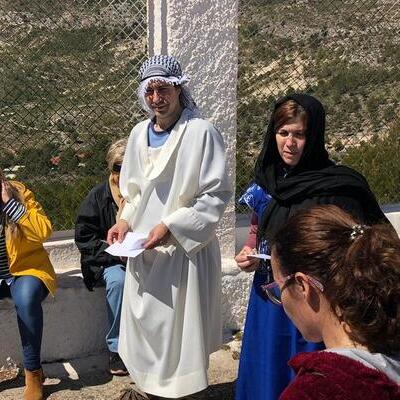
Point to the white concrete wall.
(75, 324)
(202, 34)
(75, 319)
(394, 218)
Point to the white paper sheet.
(131, 246)
(261, 256)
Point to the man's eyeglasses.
(161, 91)
(275, 294)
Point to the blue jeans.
(114, 278)
(28, 292)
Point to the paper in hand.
(261, 256)
(131, 246)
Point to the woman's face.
(297, 300)
(291, 140)
(115, 178)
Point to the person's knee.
(28, 302)
(27, 293)
(116, 279)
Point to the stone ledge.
(64, 255)
(75, 319)
(394, 218)
(74, 323)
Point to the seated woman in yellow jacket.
(26, 274)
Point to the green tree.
(378, 161)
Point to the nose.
(156, 96)
(290, 141)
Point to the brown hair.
(360, 270)
(289, 112)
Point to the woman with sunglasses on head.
(96, 215)
(295, 172)
(339, 282)
(26, 274)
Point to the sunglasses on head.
(116, 168)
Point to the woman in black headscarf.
(295, 170)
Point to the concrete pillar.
(202, 34)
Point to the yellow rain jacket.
(25, 250)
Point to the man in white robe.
(176, 188)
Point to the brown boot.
(33, 385)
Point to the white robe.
(171, 315)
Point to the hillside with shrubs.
(347, 53)
(68, 81)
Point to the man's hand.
(117, 232)
(157, 236)
(247, 264)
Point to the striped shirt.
(4, 269)
(14, 210)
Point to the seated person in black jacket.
(96, 215)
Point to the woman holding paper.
(175, 184)
(295, 172)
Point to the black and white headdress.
(165, 69)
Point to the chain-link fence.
(68, 79)
(347, 53)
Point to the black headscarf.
(314, 180)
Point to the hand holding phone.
(4, 192)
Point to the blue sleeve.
(255, 198)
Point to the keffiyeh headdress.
(165, 69)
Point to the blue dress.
(270, 340)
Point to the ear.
(309, 293)
(302, 285)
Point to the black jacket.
(96, 215)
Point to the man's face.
(162, 98)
